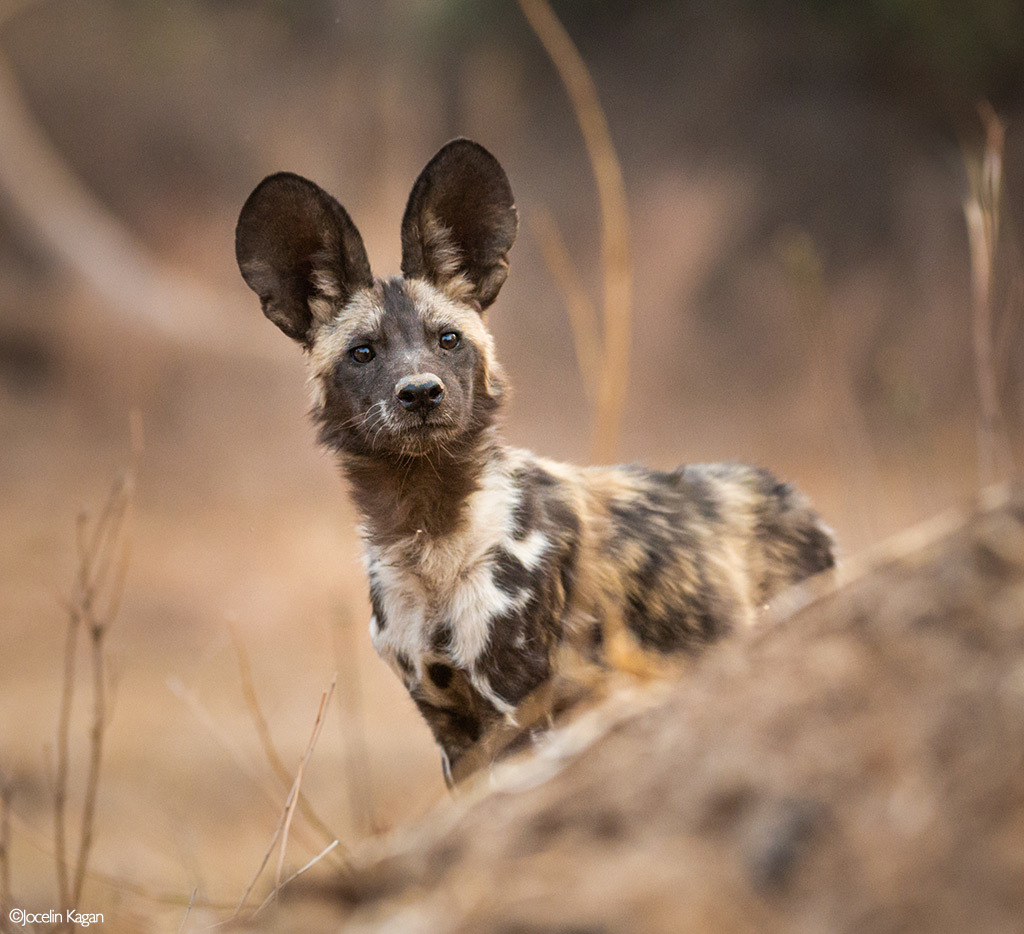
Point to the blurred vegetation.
(795, 176)
(921, 52)
(964, 49)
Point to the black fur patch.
(456, 724)
(440, 674)
(404, 663)
(512, 670)
(701, 492)
(671, 605)
(377, 604)
(510, 577)
(454, 728)
(441, 638)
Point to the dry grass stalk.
(295, 875)
(103, 550)
(268, 791)
(981, 213)
(616, 260)
(188, 910)
(281, 834)
(296, 788)
(266, 740)
(357, 749)
(207, 720)
(586, 331)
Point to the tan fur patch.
(443, 255)
(359, 317)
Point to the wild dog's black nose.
(420, 392)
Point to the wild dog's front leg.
(623, 652)
(457, 714)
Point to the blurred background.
(796, 176)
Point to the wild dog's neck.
(399, 498)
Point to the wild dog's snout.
(420, 393)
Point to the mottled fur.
(489, 566)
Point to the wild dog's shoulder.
(548, 497)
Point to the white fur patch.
(530, 550)
(426, 583)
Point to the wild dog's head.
(403, 366)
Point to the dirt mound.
(855, 766)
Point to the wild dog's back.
(678, 558)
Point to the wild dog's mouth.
(423, 436)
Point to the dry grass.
(266, 740)
(103, 551)
(281, 834)
(982, 209)
(612, 378)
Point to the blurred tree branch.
(70, 221)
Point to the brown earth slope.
(857, 765)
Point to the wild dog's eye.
(362, 354)
(450, 340)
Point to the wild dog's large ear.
(299, 251)
(460, 223)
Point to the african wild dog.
(489, 566)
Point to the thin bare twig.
(188, 910)
(102, 568)
(284, 822)
(263, 732)
(96, 734)
(586, 330)
(981, 213)
(296, 789)
(61, 765)
(274, 893)
(357, 750)
(616, 260)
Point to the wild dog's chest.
(488, 600)
(432, 599)
(474, 608)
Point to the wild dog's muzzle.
(420, 392)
